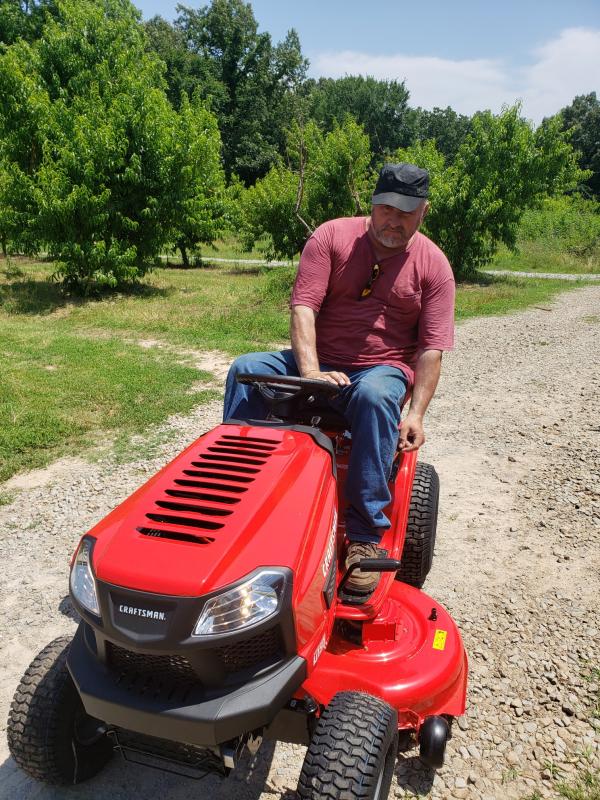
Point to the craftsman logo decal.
(330, 546)
(439, 640)
(142, 612)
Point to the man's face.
(393, 228)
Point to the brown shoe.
(361, 582)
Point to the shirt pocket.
(403, 306)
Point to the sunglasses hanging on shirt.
(369, 287)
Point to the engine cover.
(240, 497)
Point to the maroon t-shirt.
(410, 308)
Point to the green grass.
(502, 294)
(6, 498)
(542, 257)
(587, 787)
(73, 370)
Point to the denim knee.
(378, 392)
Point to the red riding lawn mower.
(214, 615)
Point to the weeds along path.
(515, 435)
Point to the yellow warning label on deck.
(439, 640)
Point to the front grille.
(157, 665)
(253, 652)
(150, 673)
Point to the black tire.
(433, 738)
(417, 553)
(49, 734)
(352, 752)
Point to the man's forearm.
(304, 339)
(304, 347)
(427, 375)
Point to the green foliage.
(194, 196)
(250, 81)
(448, 128)
(567, 223)
(379, 106)
(582, 118)
(502, 168)
(187, 72)
(326, 176)
(104, 171)
(23, 19)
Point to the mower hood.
(240, 497)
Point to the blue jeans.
(371, 405)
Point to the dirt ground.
(514, 433)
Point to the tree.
(254, 78)
(100, 154)
(448, 128)
(195, 189)
(23, 19)
(187, 72)
(582, 118)
(379, 106)
(325, 176)
(502, 168)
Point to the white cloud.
(562, 68)
(565, 67)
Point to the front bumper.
(201, 716)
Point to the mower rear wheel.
(417, 553)
(50, 736)
(353, 750)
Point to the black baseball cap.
(403, 186)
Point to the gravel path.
(515, 435)
(563, 276)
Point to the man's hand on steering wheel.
(339, 378)
(412, 433)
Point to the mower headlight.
(83, 584)
(247, 604)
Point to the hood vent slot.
(228, 467)
(209, 489)
(224, 487)
(158, 533)
(210, 512)
(213, 498)
(250, 439)
(207, 524)
(232, 459)
(238, 452)
(259, 449)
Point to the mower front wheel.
(50, 736)
(353, 750)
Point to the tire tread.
(343, 759)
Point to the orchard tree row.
(120, 140)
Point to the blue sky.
(469, 54)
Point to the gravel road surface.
(515, 435)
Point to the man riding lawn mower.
(218, 604)
(372, 311)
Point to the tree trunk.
(184, 255)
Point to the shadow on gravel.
(411, 773)
(121, 781)
(67, 609)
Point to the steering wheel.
(289, 384)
